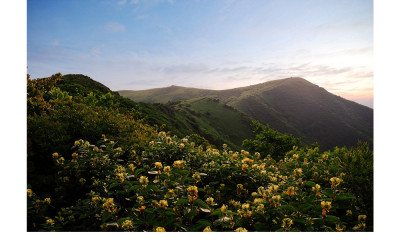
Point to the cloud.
(114, 27)
(122, 2)
(55, 43)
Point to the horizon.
(136, 45)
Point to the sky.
(142, 44)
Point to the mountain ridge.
(290, 105)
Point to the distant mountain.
(291, 105)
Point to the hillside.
(291, 105)
(94, 165)
(207, 117)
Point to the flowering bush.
(174, 185)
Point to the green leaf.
(170, 213)
(261, 227)
(289, 207)
(328, 192)
(342, 197)
(299, 221)
(309, 184)
(106, 217)
(113, 186)
(153, 187)
(135, 187)
(138, 171)
(202, 204)
(169, 220)
(217, 212)
(191, 213)
(204, 222)
(200, 225)
(331, 219)
(305, 207)
(182, 201)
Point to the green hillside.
(95, 162)
(207, 117)
(291, 105)
(216, 122)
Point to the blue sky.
(141, 44)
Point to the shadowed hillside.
(291, 105)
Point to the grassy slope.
(291, 105)
(216, 122)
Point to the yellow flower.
(47, 200)
(60, 160)
(340, 228)
(326, 206)
(167, 169)
(276, 198)
(29, 191)
(74, 155)
(140, 199)
(317, 189)
(50, 221)
(298, 171)
(55, 155)
(224, 209)
(361, 226)
(127, 225)
(144, 180)
(273, 188)
(192, 190)
(260, 208)
(247, 160)
(196, 176)
(362, 217)
(210, 201)
(95, 199)
(181, 146)
(335, 181)
(295, 156)
(241, 229)
(287, 223)
(163, 204)
(141, 208)
(158, 165)
(290, 191)
(207, 229)
(257, 201)
(109, 205)
(179, 164)
(160, 229)
(246, 206)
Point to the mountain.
(291, 105)
(207, 117)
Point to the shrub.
(174, 185)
